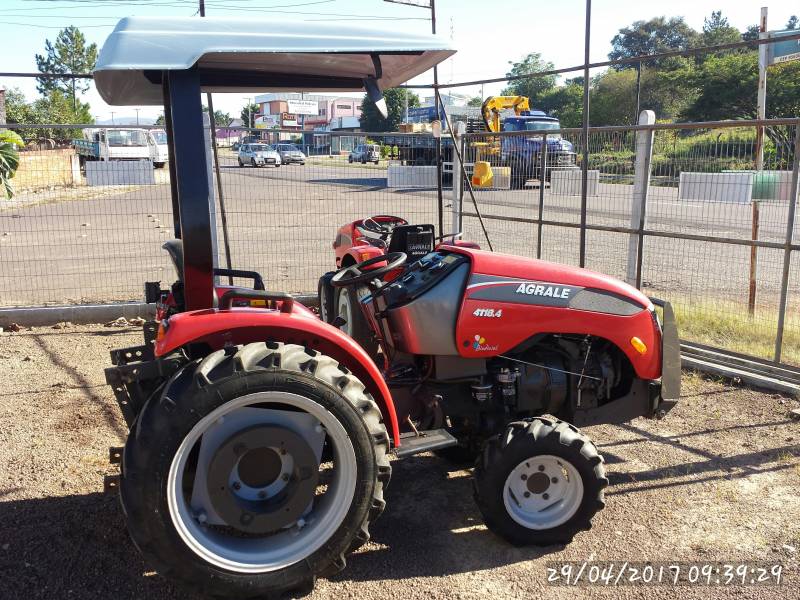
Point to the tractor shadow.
(72, 546)
(431, 527)
(698, 465)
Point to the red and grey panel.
(491, 288)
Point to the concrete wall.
(568, 182)
(41, 169)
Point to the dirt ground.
(716, 480)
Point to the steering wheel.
(354, 274)
(382, 224)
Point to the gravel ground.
(716, 480)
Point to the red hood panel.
(508, 265)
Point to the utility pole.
(112, 118)
(137, 115)
(762, 88)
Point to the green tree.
(69, 54)
(564, 102)
(793, 22)
(475, 101)
(717, 30)
(372, 120)
(221, 119)
(248, 114)
(54, 107)
(666, 91)
(751, 33)
(532, 87)
(9, 160)
(17, 108)
(727, 89)
(160, 120)
(652, 37)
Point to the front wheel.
(539, 483)
(254, 470)
(347, 306)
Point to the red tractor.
(260, 435)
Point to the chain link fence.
(681, 211)
(84, 231)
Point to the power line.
(115, 4)
(54, 26)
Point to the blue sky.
(487, 33)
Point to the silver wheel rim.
(289, 545)
(543, 492)
(345, 310)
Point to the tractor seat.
(175, 250)
(415, 240)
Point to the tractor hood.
(515, 277)
(252, 55)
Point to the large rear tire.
(255, 470)
(539, 483)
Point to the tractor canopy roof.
(248, 55)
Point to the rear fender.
(221, 328)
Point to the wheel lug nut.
(202, 517)
(541, 467)
(527, 494)
(524, 477)
(285, 477)
(545, 496)
(236, 485)
(554, 480)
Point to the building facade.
(308, 112)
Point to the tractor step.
(434, 439)
(111, 484)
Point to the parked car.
(365, 153)
(290, 154)
(258, 155)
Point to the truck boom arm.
(490, 110)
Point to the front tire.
(539, 483)
(356, 325)
(197, 512)
(326, 294)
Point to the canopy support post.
(189, 148)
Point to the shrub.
(9, 160)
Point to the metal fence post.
(641, 186)
(542, 180)
(458, 130)
(787, 253)
(212, 200)
(585, 134)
